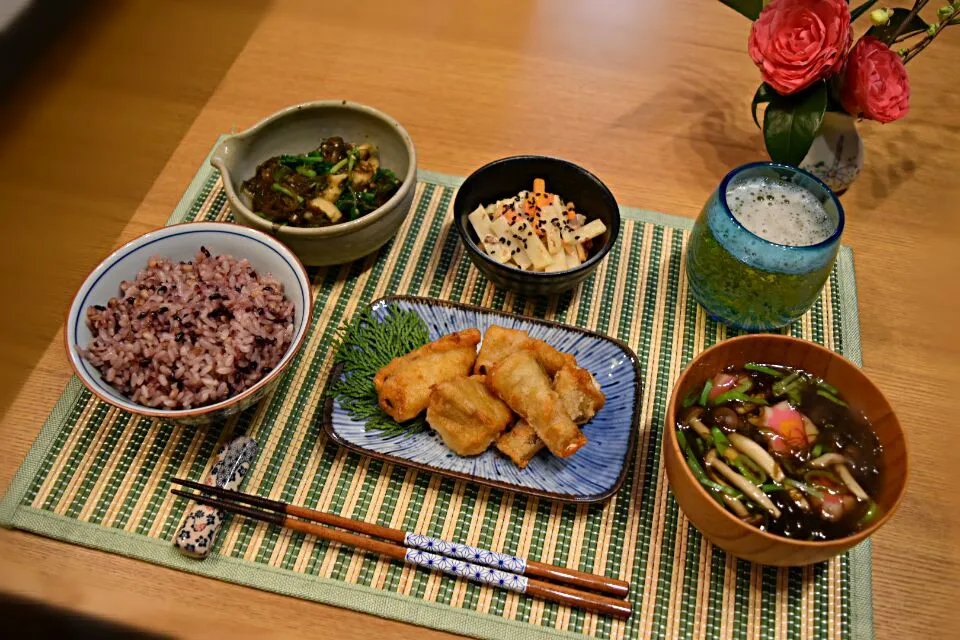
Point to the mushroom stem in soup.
(782, 450)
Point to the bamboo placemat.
(99, 477)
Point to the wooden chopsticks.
(479, 565)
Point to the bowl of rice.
(191, 323)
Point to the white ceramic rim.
(332, 231)
(77, 309)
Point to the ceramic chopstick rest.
(199, 529)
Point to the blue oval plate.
(592, 474)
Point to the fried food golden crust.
(467, 415)
(579, 393)
(404, 385)
(549, 358)
(520, 443)
(521, 382)
(498, 342)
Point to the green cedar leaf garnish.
(364, 346)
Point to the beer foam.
(780, 212)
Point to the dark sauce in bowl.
(827, 452)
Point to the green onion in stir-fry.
(334, 183)
(279, 188)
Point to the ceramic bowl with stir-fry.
(782, 452)
(333, 180)
(535, 225)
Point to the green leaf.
(885, 33)
(791, 123)
(763, 95)
(859, 11)
(748, 8)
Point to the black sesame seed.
(204, 251)
(214, 296)
(145, 362)
(131, 300)
(162, 289)
(142, 315)
(99, 307)
(178, 337)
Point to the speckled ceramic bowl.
(302, 128)
(181, 242)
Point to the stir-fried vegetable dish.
(337, 182)
(781, 450)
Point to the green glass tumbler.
(749, 282)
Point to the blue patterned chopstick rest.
(461, 569)
(492, 559)
(199, 529)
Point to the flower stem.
(923, 44)
(917, 6)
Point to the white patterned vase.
(836, 155)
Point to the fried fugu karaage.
(404, 385)
(499, 342)
(520, 443)
(579, 393)
(467, 415)
(521, 382)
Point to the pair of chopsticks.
(479, 565)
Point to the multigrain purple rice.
(189, 334)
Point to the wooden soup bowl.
(724, 529)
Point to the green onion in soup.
(783, 451)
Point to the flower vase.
(836, 155)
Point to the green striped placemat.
(99, 477)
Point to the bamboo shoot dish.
(535, 231)
(335, 183)
(782, 450)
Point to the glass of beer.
(763, 246)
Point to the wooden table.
(652, 96)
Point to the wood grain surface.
(653, 96)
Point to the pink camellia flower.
(875, 83)
(797, 42)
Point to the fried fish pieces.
(579, 393)
(467, 415)
(521, 382)
(499, 342)
(520, 443)
(404, 385)
(581, 398)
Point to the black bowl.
(505, 178)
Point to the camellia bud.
(880, 17)
(945, 12)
